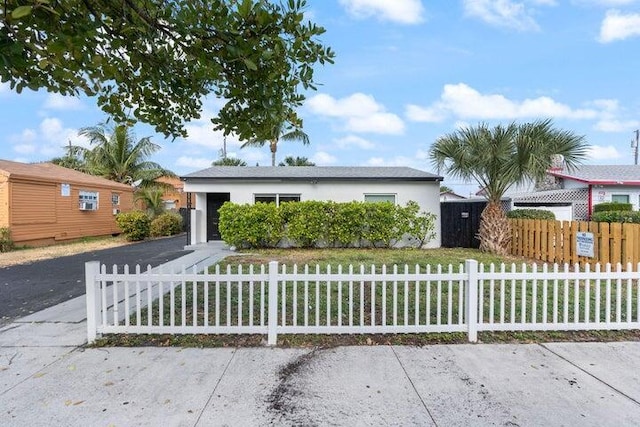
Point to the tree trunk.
(495, 231)
(274, 147)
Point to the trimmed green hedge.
(135, 224)
(531, 214)
(616, 216)
(612, 206)
(313, 223)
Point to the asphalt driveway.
(27, 288)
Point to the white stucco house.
(213, 186)
(571, 194)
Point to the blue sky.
(407, 72)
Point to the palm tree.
(116, 156)
(282, 131)
(229, 161)
(72, 159)
(500, 157)
(296, 161)
(151, 198)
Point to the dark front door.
(214, 202)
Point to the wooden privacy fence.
(277, 299)
(556, 241)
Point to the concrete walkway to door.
(48, 377)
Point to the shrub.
(346, 223)
(531, 214)
(317, 223)
(612, 206)
(135, 224)
(166, 224)
(419, 226)
(6, 244)
(252, 226)
(616, 216)
(306, 222)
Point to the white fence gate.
(281, 300)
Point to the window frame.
(628, 198)
(388, 195)
(276, 197)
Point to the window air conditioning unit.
(86, 206)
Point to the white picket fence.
(274, 300)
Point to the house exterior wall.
(426, 194)
(603, 193)
(40, 214)
(4, 201)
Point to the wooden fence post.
(471, 291)
(272, 319)
(91, 270)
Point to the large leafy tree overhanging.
(154, 60)
(499, 157)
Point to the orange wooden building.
(43, 203)
(176, 198)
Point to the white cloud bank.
(464, 102)
(359, 113)
(619, 26)
(601, 153)
(48, 140)
(506, 13)
(398, 11)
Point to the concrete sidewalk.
(47, 378)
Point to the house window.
(276, 198)
(620, 198)
(88, 200)
(115, 199)
(373, 198)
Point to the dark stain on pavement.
(282, 400)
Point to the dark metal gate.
(460, 222)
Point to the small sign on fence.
(584, 244)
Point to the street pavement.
(49, 378)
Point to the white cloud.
(600, 153)
(56, 101)
(47, 140)
(354, 141)
(505, 13)
(613, 125)
(322, 158)
(464, 102)
(200, 132)
(619, 26)
(359, 112)
(417, 113)
(193, 162)
(399, 11)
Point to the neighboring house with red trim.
(581, 188)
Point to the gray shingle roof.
(602, 173)
(314, 172)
